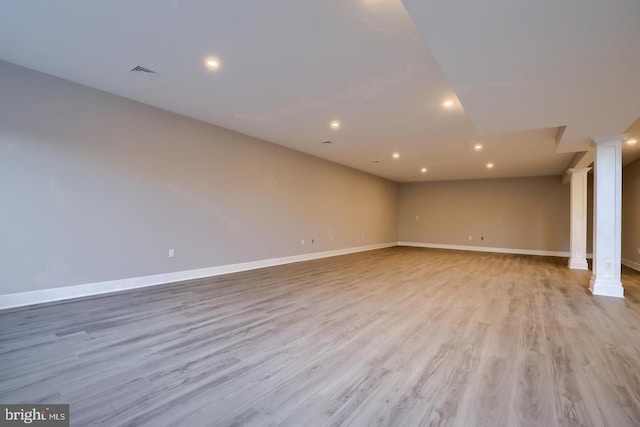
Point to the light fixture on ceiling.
(396, 155)
(632, 141)
(423, 170)
(335, 125)
(489, 165)
(477, 147)
(212, 63)
(447, 104)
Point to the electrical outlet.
(363, 237)
(417, 217)
(470, 237)
(302, 242)
(172, 253)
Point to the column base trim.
(578, 264)
(606, 287)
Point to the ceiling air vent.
(144, 72)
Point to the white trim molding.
(607, 217)
(69, 292)
(631, 264)
(488, 249)
(578, 234)
(606, 287)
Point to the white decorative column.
(607, 217)
(578, 258)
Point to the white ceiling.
(522, 64)
(289, 67)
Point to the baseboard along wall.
(70, 292)
(631, 264)
(487, 249)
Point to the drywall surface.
(510, 213)
(96, 187)
(631, 213)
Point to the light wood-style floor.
(399, 336)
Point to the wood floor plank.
(398, 336)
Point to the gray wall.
(514, 213)
(96, 187)
(631, 212)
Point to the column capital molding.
(608, 139)
(578, 171)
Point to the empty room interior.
(320, 213)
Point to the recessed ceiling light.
(477, 147)
(423, 170)
(213, 63)
(632, 141)
(335, 125)
(396, 155)
(447, 104)
(489, 165)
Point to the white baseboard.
(487, 249)
(631, 264)
(58, 294)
